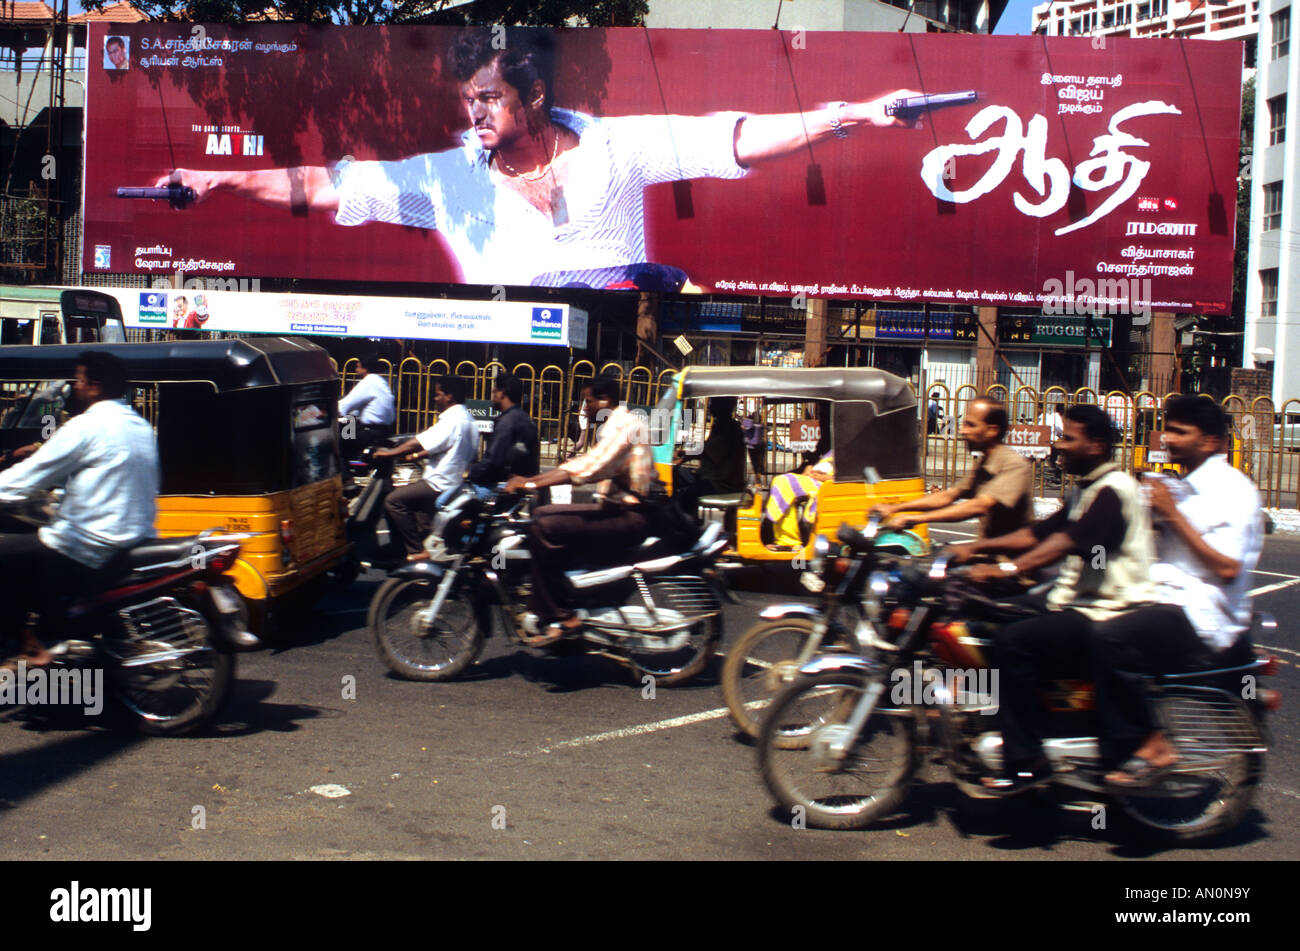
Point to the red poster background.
(379, 92)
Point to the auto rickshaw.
(873, 425)
(248, 443)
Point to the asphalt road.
(525, 757)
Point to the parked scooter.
(163, 629)
(844, 739)
(660, 610)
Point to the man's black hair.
(511, 386)
(606, 388)
(105, 370)
(370, 360)
(453, 386)
(523, 56)
(721, 407)
(1197, 411)
(115, 39)
(995, 414)
(1096, 424)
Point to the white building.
(1227, 20)
(1273, 268)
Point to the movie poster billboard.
(956, 169)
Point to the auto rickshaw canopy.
(873, 413)
(227, 365)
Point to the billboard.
(190, 308)
(978, 170)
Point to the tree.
(439, 12)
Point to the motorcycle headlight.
(821, 549)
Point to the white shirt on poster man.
(452, 444)
(371, 401)
(1223, 506)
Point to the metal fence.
(1266, 438)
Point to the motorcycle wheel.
(172, 697)
(1195, 807)
(672, 667)
(415, 649)
(867, 785)
(760, 664)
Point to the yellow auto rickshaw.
(873, 425)
(248, 443)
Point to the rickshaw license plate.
(226, 602)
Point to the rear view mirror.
(870, 475)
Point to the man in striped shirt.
(538, 195)
(620, 460)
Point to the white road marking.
(951, 531)
(1275, 574)
(640, 730)
(1284, 650)
(1270, 588)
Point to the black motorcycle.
(162, 627)
(844, 738)
(660, 609)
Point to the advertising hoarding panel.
(675, 160)
(554, 325)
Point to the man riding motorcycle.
(512, 428)
(1103, 533)
(1210, 539)
(999, 491)
(621, 460)
(106, 459)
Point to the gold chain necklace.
(555, 149)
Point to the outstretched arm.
(759, 138)
(305, 187)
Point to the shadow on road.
(247, 712)
(25, 774)
(1039, 821)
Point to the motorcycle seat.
(157, 552)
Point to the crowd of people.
(1137, 577)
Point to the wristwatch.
(1008, 568)
(837, 128)
(530, 486)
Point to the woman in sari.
(793, 498)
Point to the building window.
(1268, 293)
(1076, 26)
(1281, 33)
(1273, 206)
(1277, 120)
(1159, 7)
(1252, 45)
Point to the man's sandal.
(554, 633)
(1138, 773)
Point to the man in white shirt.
(1211, 535)
(107, 461)
(451, 444)
(372, 403)
(539, 195)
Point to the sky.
(1015, 19)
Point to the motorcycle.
(769, 655)
(163, 629)
(844, 739)
(660, 610)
